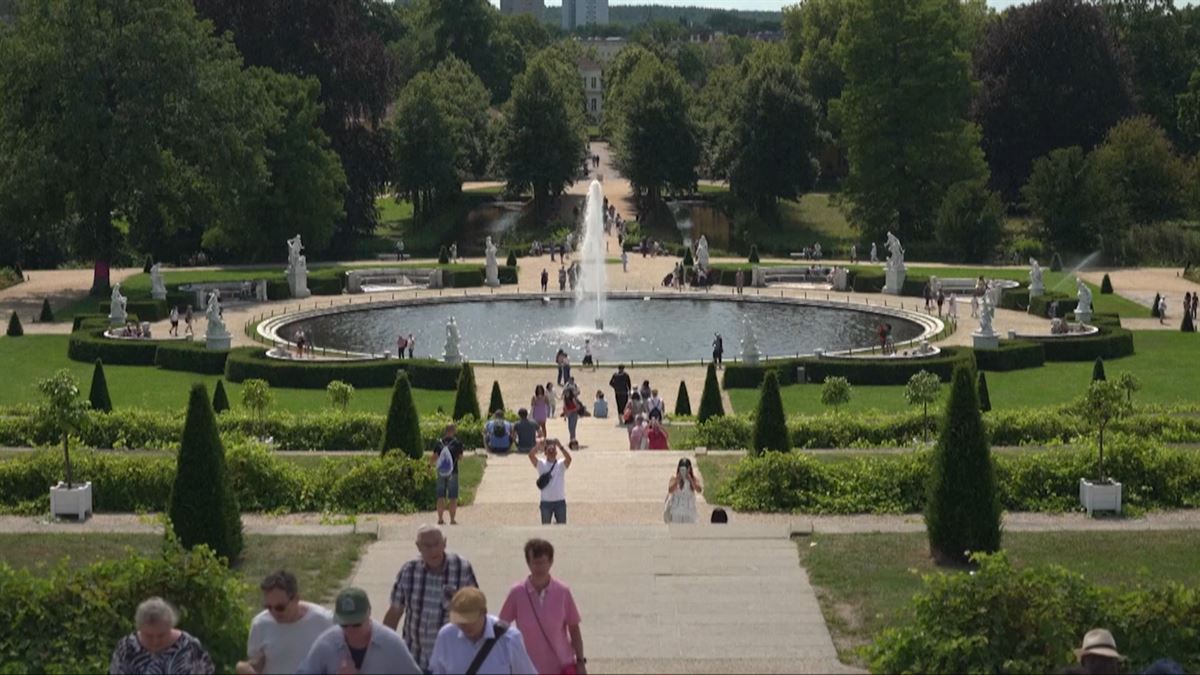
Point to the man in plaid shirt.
(423, 591)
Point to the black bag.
(544, 479)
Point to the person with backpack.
(497, 433)
(446, 457)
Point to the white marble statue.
(297, 269)
(493, 273)
(1035, 279)
(212, 312)
(454, 252)
(1083, 310)
(295, 246)
(817, 254)
(702, 252)
(986, 311)
(116, 307)
(158, 290)
(750, 353)
(895, 253)
(451, 353)
(894, 271)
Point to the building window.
(593, 105)
(593, 83)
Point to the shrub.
(148, 264)
(191, 356)
(753, 259)
(710, 399)
(511, 260)
(1011, 355)
(14, 326)
(683, 404)
(496, 401)
(443, 256)
(89, 344)
(466, 402)
(1106, 286)
(256, 396)
(962, 511)
(98, 396)
(970, 221)
(47, 314)
(1154, 306)
(147, 310)
(985, 399)
(1056, 263)
(835, 391)
(1098, 370)
(340, 394)
(402, 429)
(856, 371)
(252, 362)
(1188, 326)
(1110, 343)
(204, 508)
(220, 398)
(923, 389)
(770, 424)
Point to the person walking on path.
(174, 322)
(941, 299)
(477, 642)
(358, 643)
(545, 279)
(739, 280)
(188, 317)
(587, 355)
(571, 409)
(446, 488)
(681, 494)
(560, 379)
(718, 349)
(624, 260)
(525, 432)
(544, 610)
(282, 634)
(401, 345)
(621, 384)
(540, 406)
(952, 311)
(1162, 309)
(562, 278)
(552, 480)
(158, 647)
(412, 345)
(423, 590)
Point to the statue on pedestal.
(874, 253)
(750, 353)
(116, 307)
(895, 271)
(451, 353)
(1036, 288)
(702, 252)
(212, 312)
(986, 311)
(1083, 310)
(297, 269)
(158, 290)
(493, 275)
(895, 253)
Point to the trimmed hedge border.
(89, 344)
(191, 356)
(252, 362)
(1109, 343)
(1011, 355)
(857, 371)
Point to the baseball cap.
(1098, 642)
(351, 607)
(467, 606)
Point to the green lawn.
(1160, 358)
(321, 563)
(865, 581)
(34, 357)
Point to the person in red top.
(657, 435)
(544, 610)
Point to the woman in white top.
(680, 506)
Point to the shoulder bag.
(543, 479)
(499, 628)
(568, 669)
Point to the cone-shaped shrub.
(47, 314)
(1056, 263)
(962, 508)
(98, 396)
(1098, 370)
(220, 398)
(1106, 286)
(14, 326)
(985, 400)
(710, 399)
(770, 426)
(683, 403)
(443, 256)
(496, 402)
(511, 260)
(688, 260)
(466, 402)
(1188, 325)
(148, 264)
(754, 254)
(1154, 306)
(203, 507)
(402, 430)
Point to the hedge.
(1040, 306)
(252, 362)
(1109, 343)
(191, 356)
(89, 344)
(1011, 355)
(148, 310)
(857, 370)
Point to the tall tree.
(1060, 196)
(811, 28)
(902, 112)
(1052, 75)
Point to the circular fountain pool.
(660, 328)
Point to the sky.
(768, 5)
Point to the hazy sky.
(771, 5)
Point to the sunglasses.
(352, 625)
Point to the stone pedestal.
(757, 278)
(895, 280)
(985, 341)
(493, 274)
(218, 341)
(298, 282)
(1084, 317)
(1037, 290)
(158, 293)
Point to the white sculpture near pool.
(986, 337)
(895, 271)
(297, 269)
(451, 353)
(216, 335)
(1036, 289)
(158, 290)
(116, 307)
(1083, 311)
(493, 277)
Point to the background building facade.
(584, 13)
(536, 8)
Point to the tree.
(985, 399)
(770, 423)
(98, 397)
(962, 506)
(340, 394)
(970, 222)
(203, 507)
(1129, 383)
(402, 429)
(922, 389)
(1188, 325)
(1052, 75)
(496, 401)
(1188, 109)
(64, 410)
(220, 402)
(835, 392)
(902, 113)
(1098, 370)
(511, 260)
(1154, 312)
(812, 29)
(256, 396)
(47, 314)
(1060, 196)
(1103, 403)
(615, 76)
(466, 402)
(753, 259)
(14, 326)
(710, 399)
(1106, 285)
(683, 403)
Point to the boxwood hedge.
(191, 356)
(857, 371)
(1011, 355)
(1110, 343)
(89, 344)
(252, 362)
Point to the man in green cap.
(357, 643)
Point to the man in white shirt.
(552, 479)
(281, 634)
(654, 405)
(477, 642)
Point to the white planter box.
(76, 502)
(1099, 496)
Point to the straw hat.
(1098, 642)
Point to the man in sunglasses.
(282, 633)
(357, 644)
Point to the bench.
(230, 290)
(385, 276)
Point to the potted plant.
(67, 411)
(1103, 403)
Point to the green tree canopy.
(1059, 195)
(970, 222)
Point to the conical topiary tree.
(148, 264)
(1154, 306)
(14, 326)
(1188, 325)
(496, 402)
(683, 403)
(962, 507)
(443, 256)
(220, 398)
(511, 260)
(1106, 286)
(203, 506)
(1098, 370)
(1056, 263)
(402, 430)
(466, 402)
(688, 260)
(985, 400)
(710, 399)
(770, 425)
(753, 254)
(47, 315)
(98, 396)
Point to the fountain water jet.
(593, 279)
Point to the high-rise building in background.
(584, 13)
(537, 8)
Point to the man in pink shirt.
(543, 609)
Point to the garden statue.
(297, 269)
(1036, 289)
(894, 272)
(1083, 310)
(116, 308)
(493, 277)
(895, 253)
(451, 353)
(295, 246)
(702, 252)
(158, 289)
(986, 312)
(216, 336)
(874, 253)
(454, 251)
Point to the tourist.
(952, 309)
(421, 589)
(681, 494)
(853, 254)
(281, 634)
(412, 345)
(718, 346)
(566, 368)
(889, 343)
(624, 257)
(941, 299)
(644, 390)
(654, 406)
(446, 488)
(560, 379)
(587, 354)
(882, 333)
(656, 435)
(621, 385)
(540, 405)
(174, 321)
(927, 293)
(188, 317)
(497, 433)
(562, 278)
(545, 279)
(552, 397)
(1162, 309)
(638, 439)
(1098, 653)
(157, 646)
(300, 343)
(571, 409)
(1195, 304)
(525, 431)
(477, 642)
(552, 479)
(357, 643)
(600, 406)
(1187, 303)
(635, 408)
(401, 345)
(975, 307)
(544, 610)
(739, 280)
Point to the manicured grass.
(865, 581)
(320, 563)
(33, 357)
(1160, 359)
